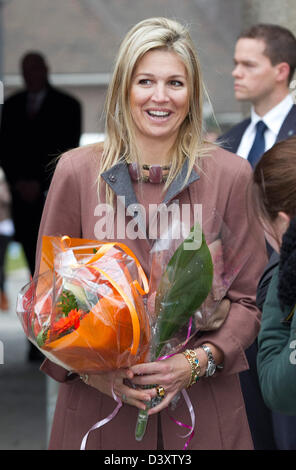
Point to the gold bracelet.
(191, 357)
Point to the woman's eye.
(145, 81)
(176, 83)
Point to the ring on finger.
(160, 391)
(124, 397)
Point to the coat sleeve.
(245, 255)
(62, 213)
(276, 360)
(61, 216)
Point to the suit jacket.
(219, 406)
(231, 139)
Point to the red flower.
(72, 321)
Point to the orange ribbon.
(99, 254)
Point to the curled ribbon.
(103, 421)
(184, 393)
(181, 345)
(183, 425)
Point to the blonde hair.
(120, 144)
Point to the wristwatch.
(211, 367)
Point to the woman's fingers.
(134, 402)
(134, 396)
(148, 379)
(163, 404)
(146, 368)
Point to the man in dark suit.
(265, 61)
(37, 125)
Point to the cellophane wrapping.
(85, 310)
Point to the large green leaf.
(184, 286)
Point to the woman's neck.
(155, 152)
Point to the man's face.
(254, 75)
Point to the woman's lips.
(158, 114)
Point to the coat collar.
(119, 180)
(288, 126)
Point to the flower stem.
(142, 422)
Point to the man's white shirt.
(273, 119)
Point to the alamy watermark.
(162, 222)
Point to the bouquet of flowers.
(85, 310)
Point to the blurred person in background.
(264, 65)
(37, 125)
(6, 234)
(274, 193)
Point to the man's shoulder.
(288, 127)
(15, 98)
(63, 96)
(230, 140)
(235, 130)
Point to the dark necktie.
(258, 146)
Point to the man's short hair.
(280, 43)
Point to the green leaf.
(79, 294)
(41, 337)
(67, 302)
(184, 286)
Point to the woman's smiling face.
(159, 96)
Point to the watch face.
(211, 369)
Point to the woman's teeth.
(159, 113)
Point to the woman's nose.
(160, 94)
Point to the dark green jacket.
(276, 360)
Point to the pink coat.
(221, 421)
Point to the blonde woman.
(154, 153)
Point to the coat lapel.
(289, 125)
(119, 180)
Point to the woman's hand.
(173, 374)
(114, 380)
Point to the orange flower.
(70, 322)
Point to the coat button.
(291, 132)
(112, 178)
